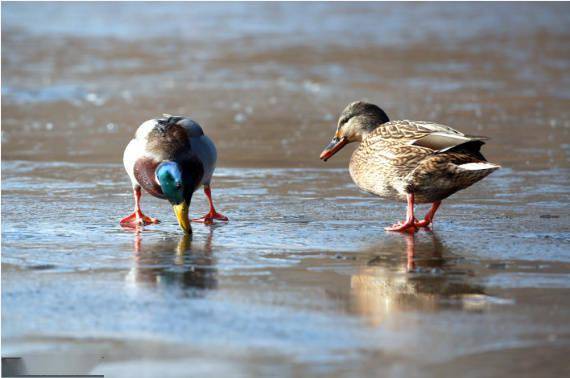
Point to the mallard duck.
(170, 158)
(412, 161)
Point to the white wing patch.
(478, 166)
(441, 141)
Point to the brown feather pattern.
(388, 164)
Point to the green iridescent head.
(178, 189)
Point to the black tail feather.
(472, 148)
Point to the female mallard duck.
(415, 161)
(170, 158)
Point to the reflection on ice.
(172, 262)
(426, 281)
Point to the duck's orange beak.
(181, 212)
(333, 147)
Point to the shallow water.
(303, 280)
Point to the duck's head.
(355, 122)
(178, 187)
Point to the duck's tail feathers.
(469, 173)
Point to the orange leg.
(429, 216)
(409, 224)
(212, 214)
(137, 218)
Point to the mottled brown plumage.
(417, 161)
(396, 159)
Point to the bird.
(411, 161)
(170, 158)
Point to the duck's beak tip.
(181, 211)
(335, 145)
(324, 156)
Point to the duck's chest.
(144, 172)
(371, 175)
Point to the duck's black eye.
(343, 120)
(178, 185)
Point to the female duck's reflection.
(174, 262)
(425, 281)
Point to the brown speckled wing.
(438, 176)
(144, 173)
(401, 131)
(391, 167)
(408, 131)
(393, 153)
(425, 134)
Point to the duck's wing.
(411, 163)
(441, 174)
(431, 175)
(393, 152)
(202, 147)
(426, 134)
(205, 149)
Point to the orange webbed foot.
(210, 217)
(408, 226)
(137, 219)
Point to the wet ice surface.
(303, 280)
(302, 274)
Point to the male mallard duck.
(415, 161)
(170, 158)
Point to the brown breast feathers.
(144, 173)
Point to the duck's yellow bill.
(333, 147)
(181, 212)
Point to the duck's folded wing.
(442, 142)
(405, 131)
(430, 135)
(448, 171)
(202, 146)
(205, 150)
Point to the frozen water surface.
(303, 280)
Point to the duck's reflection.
(174, 262)
(421, 280)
